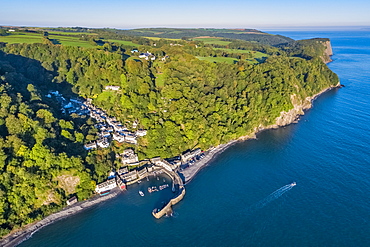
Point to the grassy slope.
(30, 38)
(57, 38)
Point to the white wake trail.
(273, 196)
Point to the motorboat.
(141, 193)
(293, 184)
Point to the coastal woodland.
(186, 98)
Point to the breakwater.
(179, 187)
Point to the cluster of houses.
(123, 175)
(147, 55)
(128, 158)
(109, 128)
(69, 106)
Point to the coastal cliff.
(291, 116)
(328, 52)
(299, 106)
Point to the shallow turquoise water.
(232, 201)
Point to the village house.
(118, 137)
(90, 145)
(142, 173)
(122, 170)
(103, 143)
(104, 134)
(106, 186)
(129, 156)
(189, 155)
(155, 160)
(166, 165)
(141, 132)
(120, 183)
(71, 201)
(130, 138)
(114, 88)
(130, 176)
(147, 56)
(110, 129)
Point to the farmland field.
(57, 38)
(30, 38)
(157, 38)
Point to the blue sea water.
(243, 198)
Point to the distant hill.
(185, 33)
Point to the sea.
(245, 197)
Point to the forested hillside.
(182, 101)
(42, 159)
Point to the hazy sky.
(190, 13)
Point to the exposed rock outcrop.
(328, 52)
(299, 106)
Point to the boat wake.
(273, 196)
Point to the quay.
(178, 186)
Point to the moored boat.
(103, 193)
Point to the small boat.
(103, 193)
(139, 181)
(149, 190)
(141, 193)
(293, 184)
(157, 178)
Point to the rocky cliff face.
(291, 116)
(327, 52)
(300, 106)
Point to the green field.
(213, 40)
(30, 38)
(229, 60)
(157, 38)
(71, 33)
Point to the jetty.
(179, 189)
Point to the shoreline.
(190, 172)
(22, 234)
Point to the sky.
(123, 14)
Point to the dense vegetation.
(182, 101)
(41, 160)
